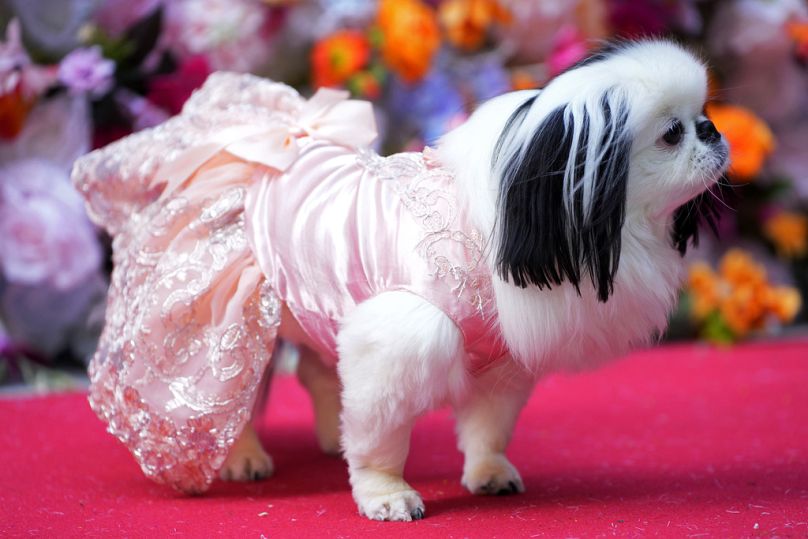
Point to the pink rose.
(45, 236)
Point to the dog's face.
(620, 135)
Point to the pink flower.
(170, 91)
(45, 236)
(569, 48)
(87, 71)
(232, 34)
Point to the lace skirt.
(190, 321)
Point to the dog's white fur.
(400, 356)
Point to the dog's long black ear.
(688, 216)
(562, 197)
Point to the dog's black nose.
(706, 131)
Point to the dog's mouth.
(722, 156)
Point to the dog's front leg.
(485, 421)
(398, 359)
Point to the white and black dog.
(578, 202)
(588, 192)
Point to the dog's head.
(622, 132)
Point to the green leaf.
(716, 330)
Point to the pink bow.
(328, 115)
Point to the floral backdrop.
(78, 74)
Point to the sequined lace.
(190, 319)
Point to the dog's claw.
(252, 464)
(417, 513)
(493, 475)
(511, 489)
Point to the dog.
(545, 233)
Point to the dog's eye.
(674, 134)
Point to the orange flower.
(14, 108)
(738, 268)
(741, 310)
(410, 37)
(365, 84)
(799, 33)
(704, 285)
(466, 22)
(339, 56)
(789, 234)
(750, 140)
(784, 302)
(738, 297)
(521, 79)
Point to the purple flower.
(87, 71)
(432, 105)
(46, 320)
(483, 75)
(45, 236)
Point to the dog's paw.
(492, 474)
(247, 464)
(405, 505)
(383, 496)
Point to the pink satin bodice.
(340, 226)
(251, 198)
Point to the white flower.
(45, 236)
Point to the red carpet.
(676, 442)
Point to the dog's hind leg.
(397, 360)
(247, 460)
(323, 385)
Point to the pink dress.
(251, 198)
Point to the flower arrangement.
(121, 66)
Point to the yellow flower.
(410, 37)
(789, 234)
(466, 22)
(750, 140)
